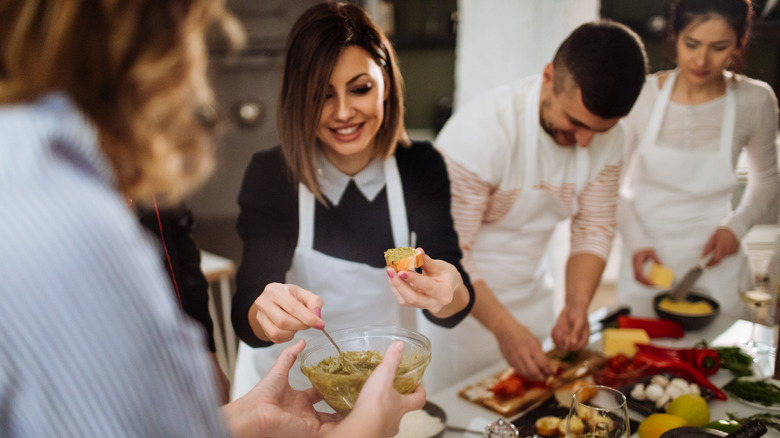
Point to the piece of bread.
(404, 258)
(577, 427)
(547, 425)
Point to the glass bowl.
(364, 347)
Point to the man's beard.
(562, 138)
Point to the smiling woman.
(319, 211)
(353, 111)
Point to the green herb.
(763, 392)
(769, 420)
(735, 360)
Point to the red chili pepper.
(706, 360)
(655, 328)
(662, 362)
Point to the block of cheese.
(614, 341)
(660, 276)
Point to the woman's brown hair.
(136, 68)
(314, 44)
(737, 13)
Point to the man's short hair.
(607, 60)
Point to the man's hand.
(572, 330)
(524, 352)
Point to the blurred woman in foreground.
(101, 101)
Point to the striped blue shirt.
(92, 343)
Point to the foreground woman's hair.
(141, 79)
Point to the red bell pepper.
(705, 360)
(655, 328)
(660, 362)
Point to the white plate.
(775, 407)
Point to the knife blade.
(597, 325)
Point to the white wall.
(503, 40)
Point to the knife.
(599, 323)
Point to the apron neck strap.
(729, 113)
(531, 137)
(531, 132)
(395, 203)
(306, 204)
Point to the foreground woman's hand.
(439, 289)
(284, 309)
(273, 408)
(379, 406)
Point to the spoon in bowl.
(342, 356)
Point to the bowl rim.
(692, 294)
(321, 341)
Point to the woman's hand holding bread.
(284, 309)
(438, 289)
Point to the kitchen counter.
(723, 331)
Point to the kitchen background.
(449, 51)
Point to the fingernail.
(390, 273)
(318, 312)
(403, 275)
(320, 326)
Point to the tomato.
(512, 386)
(515, 386)
(618, 362)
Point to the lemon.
(691, 407)
(656, 424)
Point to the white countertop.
(722, 332)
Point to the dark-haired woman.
(318, 212)
(686, 133)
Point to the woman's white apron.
(354, 293)
(681, 198)
(510, 255)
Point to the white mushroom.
(694, 389)
(660, 380)
(661, 402)
(674, 391)
(682, 383)
(654, 392)
(638, 392)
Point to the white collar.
(333, 182)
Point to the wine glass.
(755, 300)
(598, 411)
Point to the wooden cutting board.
(571, 366)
